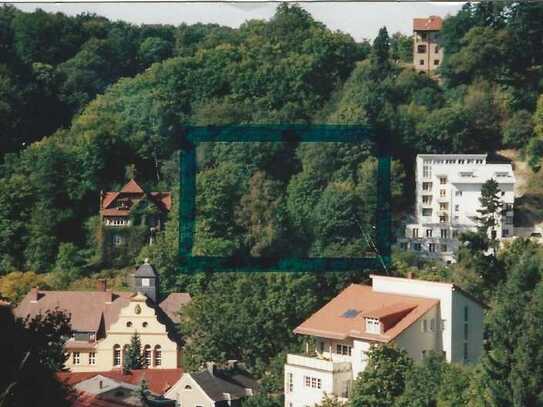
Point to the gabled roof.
(158, 380)
(90, 309)
(343, 317)
(222, 385)
(432, 23)
(132, 187)
(87, 308)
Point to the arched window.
(117, 355)
(125, 352)
(157, 356)
(147, 355)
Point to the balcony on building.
(317, 362)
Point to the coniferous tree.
(133, 356)
(491, 208)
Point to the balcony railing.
(313, 362)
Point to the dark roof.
(145, 270)
(236, 383)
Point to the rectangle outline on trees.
(191, 136)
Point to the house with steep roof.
(130, 208)
(213, 387)
(427, 51)
(417, 316)
(104, 321)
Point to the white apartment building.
(448, 188)
(418, 316)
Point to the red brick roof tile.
(432, 23)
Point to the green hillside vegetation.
(112, 95)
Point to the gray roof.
(237, 385)
(145, 270)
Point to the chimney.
(211, 368)
(410, 275)
(34, 294)
(101, 284)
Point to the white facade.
(448, 188)
(454, 327)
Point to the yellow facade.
(136, 317)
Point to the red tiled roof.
(132, 187)
(158, 380)
(432, 23)
(398, 312)
(108, 198)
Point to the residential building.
(417, 316)
(448, 188)
(213, 387)
(427, 51)
(103, 322)
(131, 207)
(103, 390)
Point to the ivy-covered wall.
(133, 239)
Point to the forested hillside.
(82, 99)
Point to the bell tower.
(145, 280)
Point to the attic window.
(188, 387)
(373, 326)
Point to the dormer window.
(373, 326)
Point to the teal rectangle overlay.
(191, 136)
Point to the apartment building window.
(427, 199)
(465, 351)
(466, 321)
(426, 186)
(426, 171)
(443, 219)
(417, 247)
(432, 324)
(443, 247)
(321, 343)
(508, 220)
(443, 321)
(373, 326)
(415, 233)
(442, 193)
(442, 180)
(444, 233)
(456, 218)
(117, 355)
(403, 246)
(437, 49)
(508, 207)
(421, 49)
(432, 247)
(76, 358)
(426, 211)
(458, 193)
(466, 314)
(456, 208)
(290, 382)
(436, 61)
(421, 62)
(455, 232)
(343, 350)
(444, 206)
(428, 232)
(505, 232)
(92, 358)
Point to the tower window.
(145, 282)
